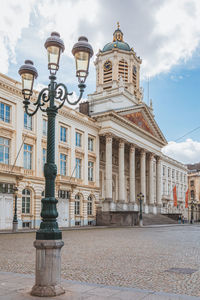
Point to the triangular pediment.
(142, 117)
(139, 119)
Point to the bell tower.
(118, 62)
(117, 73)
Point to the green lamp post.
(192, 212)
(50, 100)
(15, 221)
(140, 198)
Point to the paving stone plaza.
(162, 259)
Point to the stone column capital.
(142, 152)
(109, 138)
(158, 159)
(121, 143)
(151, 156)
(132, 148)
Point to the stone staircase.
(151, 219)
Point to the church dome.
(117, 42)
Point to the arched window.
(90, 206)
(77, 205)
(123, 70)
(26, 201)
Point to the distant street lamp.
(140, 198)
(192, 212)
(15, 221)
(49, 242)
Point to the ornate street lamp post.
(49, 242)
(192, 212)
(140, 198)
(15, 221)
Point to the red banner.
(186, 199)
(175, 196)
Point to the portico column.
(158, 182)
(143, 174)
(151, 181)
(121, 171)
(108, 168)
(132, 174)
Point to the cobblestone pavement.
(159, 259)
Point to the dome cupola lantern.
(118, 34)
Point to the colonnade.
(132, 174)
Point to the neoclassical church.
(107, 152)
(130, 139)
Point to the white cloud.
(14, 16)
(164, 33)
(66, 17)
(177, 30)
(186, 152)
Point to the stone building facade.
(194, 191)
(105, 156)
(23, 154)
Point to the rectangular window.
(169, 189)
(44, 156)
(63, 134)
(168, 172)
(77, 208)
(4, 112)
(89, 208)
(6, 188)
(4, 150)
(27, 157)
(164, 188)
(173, 173)
(192, 183)
(90, 171)
(163, 170)
(63, 162)
(26, 200)
(176, 175)
(78, 139)
(64, 194)
(27, 121)
(90, 144)
(78, 168)
(44, 127)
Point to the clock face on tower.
(107, 65)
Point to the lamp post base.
(15, 227)
(48, 268)
(140, 223)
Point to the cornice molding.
(89, 122)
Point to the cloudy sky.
(164, 33)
